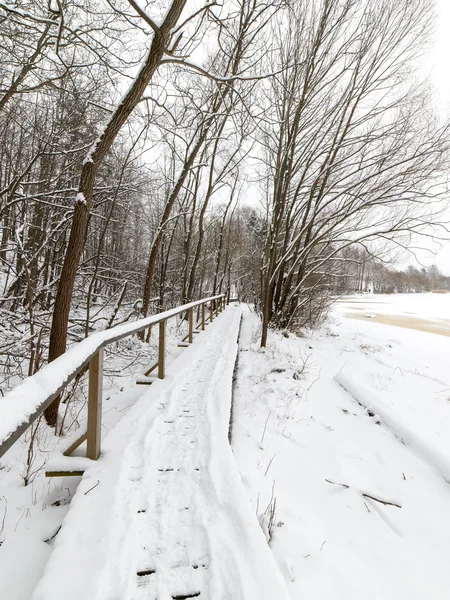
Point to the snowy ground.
(31, 515)
(163, 514)
(341, 440)
(295, 428)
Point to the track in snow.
(173, 485)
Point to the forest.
(364, 273)
(157, 152)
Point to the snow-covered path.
(168, 517)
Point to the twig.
(2, 528)
(270, 463)
(93, 487)
(265, 427)
(48, 540)
(385, 502)
(334, 483)
(315, 380)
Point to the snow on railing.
(25, 403)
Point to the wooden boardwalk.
(168, 518)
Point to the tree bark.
(83, 204)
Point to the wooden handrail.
(26, 402)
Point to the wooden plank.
(64, 473)
(162, 350)
(186, 337)
(191, 325)
(75, 445)
(145, 380)
(152, 368)
(94, 422)
(211, 311)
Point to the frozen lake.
(423, 312)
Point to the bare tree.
(238, 40)
(351, 156)
(162, 38)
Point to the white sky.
(439, 56)
(438, 69)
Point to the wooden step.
(143, 380)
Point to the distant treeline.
(412, 279)
(360, 272)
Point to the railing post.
(162, 350)
(95, 393)
(203, 316)
(191, 325)
(217, 308)
(211, 311)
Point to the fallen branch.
(385, 502)
(334, 483)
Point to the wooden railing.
(20, 408)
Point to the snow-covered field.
(341, 438)
(328, 463)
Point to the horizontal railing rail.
(23, 405)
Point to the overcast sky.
(438, 69)
(439, 56)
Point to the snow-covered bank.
(351, 504)
(408, 434)
(336, 475)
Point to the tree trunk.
(83, 204)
